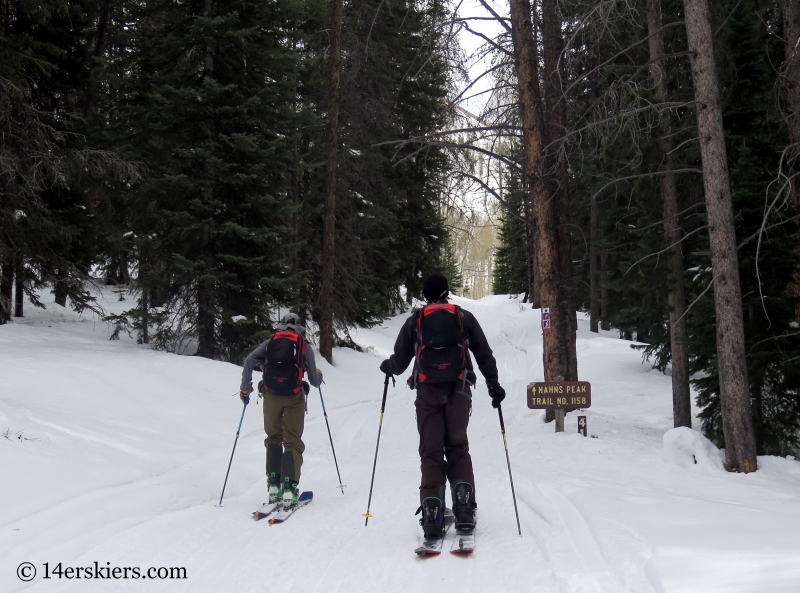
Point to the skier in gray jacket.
(284, 395)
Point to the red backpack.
(285, 364)
(442, 344)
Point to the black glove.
(386, 367)
(497, 393)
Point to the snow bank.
(688, 448)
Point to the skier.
(284, 358)
(438, 336)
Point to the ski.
(282, 515)
(464, 541)
(265, 511)
(433, 547)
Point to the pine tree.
(512, 266)
(209, 108)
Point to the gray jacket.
(259, 356)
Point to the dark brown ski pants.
(442, 417)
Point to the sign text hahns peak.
(552, 396)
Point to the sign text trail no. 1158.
(553, 396)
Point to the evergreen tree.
(49, 166)
(512, 266)
(209, 108)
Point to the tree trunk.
(547, 263)
(676, 297)
(605, 296)
(103, 22)
(19, 292)
(557, 168)
(791, 81)
(326, 296)
(737, 424)
(206, 289)
(594, 268)
(6, 289)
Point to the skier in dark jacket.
(438, 336)
(284, 392)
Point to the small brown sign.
(554, 396)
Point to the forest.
(219, 160)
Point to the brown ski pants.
(284, 419)
(443, 411)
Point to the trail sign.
(545, 317)
(556, 396)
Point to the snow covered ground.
(116, 454)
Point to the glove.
(243, 395)
(319, 371)
(497, 393)
(386, 367)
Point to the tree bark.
(594, 268)
(737, 423)
(326, 296)
(103, 22)
(605, 296)
(547, 262)
(19, 292)
(791, 81)
(676, 297)
(60, 297)
(556, 118)
(6, 290)
(206, 289)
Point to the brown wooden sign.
(554, 396)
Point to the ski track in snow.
(130, 449)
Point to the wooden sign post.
(560, 396)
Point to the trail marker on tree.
(545, 317)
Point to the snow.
(685, 448)
(122, 452)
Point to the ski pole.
(341, 486)
(246, 401)
(510, 477)
(374, 463)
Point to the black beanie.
(435, 288)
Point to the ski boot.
(432, 520)
(464, 506)
(274, 487)
(290, 493)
